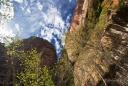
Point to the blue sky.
(48, 19)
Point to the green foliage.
(93, 13)
(32, 70)
(104, 10)
(32, 37)
(33, 74)
(121, 2)
(98, 8)
(64, 70)
(91, 18)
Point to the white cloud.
(5, 31)
(39, 5)
(68, 17)
(28, 11)
(17, 28)
(39, 19)
(70, 0)
(7, 14)
(46, 34)
(42, 18)
(58, 46)
(6, 11)
(25, 3)
(58, 22)
(19, 1)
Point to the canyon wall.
(96, 50)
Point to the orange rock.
(115, 3)
(79, 13)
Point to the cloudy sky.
(48, 19)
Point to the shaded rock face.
(3, 65)
(2, 50)
(9, 66)
(117, 32)
(100, 59)
(121, 17)
(106, 63)
(48, 51)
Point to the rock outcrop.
(10, 65)
(79, 14)
(48, 51)
(97, 51)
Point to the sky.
(48, 19)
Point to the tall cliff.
(96, 49)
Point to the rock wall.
(48, 51)
(79, 13)
(98, 50)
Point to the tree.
(33, 74)
(26, 67)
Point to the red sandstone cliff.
(79, 13)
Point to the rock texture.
(79, 13)
(41, 45)
(97, 51)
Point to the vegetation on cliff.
(95, 53)
(98, 56)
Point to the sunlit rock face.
(98, 49)
(77, 24)
(79, 14)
